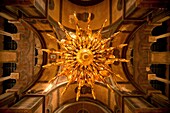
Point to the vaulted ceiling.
(37, 21)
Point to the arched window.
(7, 69)
(9, 44)
(161, 44)
(160, 71)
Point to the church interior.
(84, 56)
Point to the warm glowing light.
(85, 57)
(48, 88)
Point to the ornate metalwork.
(85, 57)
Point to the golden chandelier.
(85, 57)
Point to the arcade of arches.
(25, 26)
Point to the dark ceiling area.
(86, 2)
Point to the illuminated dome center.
(84, 56)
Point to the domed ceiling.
(75, 28)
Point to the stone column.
(154, 38)
(154, 77)
(12, 76)
(8, 56)
(13, 36)
(160, 57)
